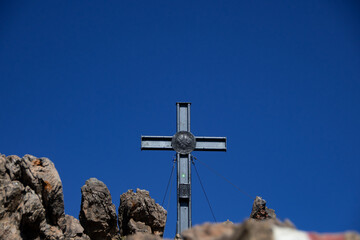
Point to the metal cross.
(183, 142)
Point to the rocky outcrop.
(260, 211)
(251, 229)
(31, 200)
(138, 212)
(98, 213)
(210, 231)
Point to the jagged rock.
(143, 236)
(141, 207)
(98, 213)
(260, 211)
(31, 199)
(41, 175)
(72, 229)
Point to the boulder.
(140, 207)
(98, 213)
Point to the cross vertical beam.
(183, 172)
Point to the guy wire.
(219, 175)
(167, 187)
(202, 186)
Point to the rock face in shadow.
(260, 211)
(31, 200)
(98, 213)
(138, 212)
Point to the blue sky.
(81, 81)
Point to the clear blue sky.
(81, 81)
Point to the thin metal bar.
(202, 143)
(156, 143)
(184, 171)
(177, 117)
(210, 144)
(188, 117)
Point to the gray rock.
(41, 175)
(21, 211)
(32, 213)
(98, 213)
(13, 167)
(140, 207)
(260, 211)
(3, 174)
(10, 198)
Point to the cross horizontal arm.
(202, 143)
(156, 143)
(210, 144)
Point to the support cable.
(167, 187)
(218, 174)
(202, 186)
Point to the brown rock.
(98, 213)
(253, 229)
(135, 227)
(143, 236)
(209, 231)
(260, 211)
(140, 207)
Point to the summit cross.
(183, 142)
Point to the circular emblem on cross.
(183, 142)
